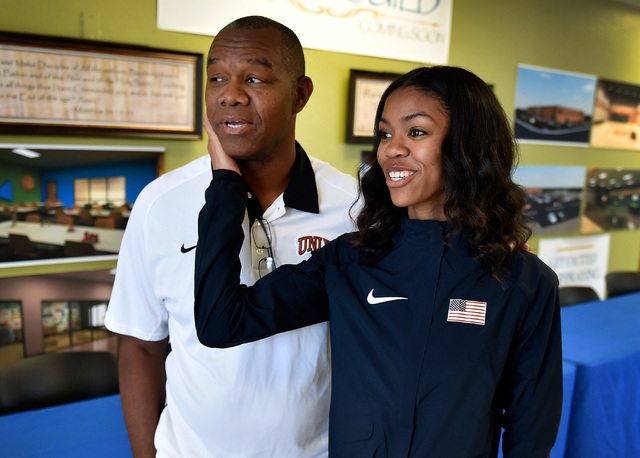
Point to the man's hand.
(219, 159)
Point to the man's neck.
(268, 180)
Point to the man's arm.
(142, 389)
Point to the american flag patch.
(462, 311)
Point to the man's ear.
(304, 88)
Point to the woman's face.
(413, 126)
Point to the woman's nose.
(396, 148)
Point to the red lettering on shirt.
(309, 243)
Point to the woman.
(443, 330)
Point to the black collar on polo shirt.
(301, 192)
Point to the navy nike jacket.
(428, 358)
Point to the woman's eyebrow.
(409, 117)
(419, 114)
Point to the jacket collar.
(301, 192)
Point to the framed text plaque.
(365, 90)
(79, 87)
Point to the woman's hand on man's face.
(219, 159)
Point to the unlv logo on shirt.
(308, 243)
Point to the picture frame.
(365, 90)
(61, 86)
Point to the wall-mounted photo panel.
(612, 200)
(554, 197)
(64, 310)
(553, 106)
(72, 323)
(61, 201)
(616, 116)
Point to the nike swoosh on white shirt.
(379, 300)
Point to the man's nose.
(233, 93)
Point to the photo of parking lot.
(554, 197)
(553, 106)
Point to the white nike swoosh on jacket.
(379, 300)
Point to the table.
(56, 234)
(92, 428)
(94, 213)
(602, 339)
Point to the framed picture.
(365, 90)
(80, 87)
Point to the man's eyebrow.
(259, 61)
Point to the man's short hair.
(293, 56)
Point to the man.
(264, 399)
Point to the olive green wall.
(597, 37)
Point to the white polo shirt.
(263, 399)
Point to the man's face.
(251, 100)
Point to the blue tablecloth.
(568, 383)
(93, 428)
(603, 340)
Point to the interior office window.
(56, 320)
(11, 336)
(81, 192)
(100, 191)
(89, 323)
(116, 191)
(72, 323)
(93, 314)
(96, 314)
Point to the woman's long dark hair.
(483, 204)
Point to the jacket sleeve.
(532, 382)
(228, 313)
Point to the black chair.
(619, 283)
(85, 218)
(57, 378)
(72, 248)
(106, 223)
(22, 247)
(64, 219)
(570, 295)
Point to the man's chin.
(237, 148)
(242, 155)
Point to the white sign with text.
(581, 261)
(412, 30)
